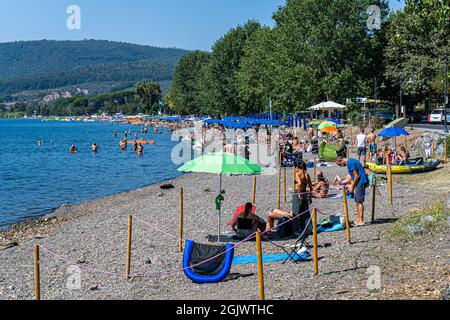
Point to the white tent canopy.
(328, 106)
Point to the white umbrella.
(328, 106)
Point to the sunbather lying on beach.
(275, 215)
(339, 183)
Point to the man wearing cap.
(358, 185)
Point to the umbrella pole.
(220, 210)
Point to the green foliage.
(417, 47)
(148, 94)
(318, 50)
(188, 83)
(220, 94)
(58, 64)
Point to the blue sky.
(188, 24)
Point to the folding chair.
(300, 242)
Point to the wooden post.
(128, 262)
(374, 195)
(254, 192)
(347, 221)
(389, 176)
(37, 273)
(180, 241)
(432, 150)
(285, 188)
(315, 255)
(279, 188)
(260, 267)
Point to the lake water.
(34, 180)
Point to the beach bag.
(285, 228)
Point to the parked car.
(437, 116)
(387, 116)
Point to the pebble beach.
(92, 237)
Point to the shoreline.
(94, 236)
(62, 213)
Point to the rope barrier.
(156, 229)
(170, 273)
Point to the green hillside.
(46, 65)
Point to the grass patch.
(419, 223)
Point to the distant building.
(52, 97)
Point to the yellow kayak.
(405, 169)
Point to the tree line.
(144, 97)
(318, 50)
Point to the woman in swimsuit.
(320, 187)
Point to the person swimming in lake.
(140, 149)
(135, 145)
(39, 142)
(115, 134)
(123, 144)
(94, 147)
(73, 149)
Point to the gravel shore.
(93, 236)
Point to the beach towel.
(331, 228)
(269, 258)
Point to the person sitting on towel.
(340, 183)
(257, 222)
(320, 186)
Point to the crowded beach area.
(268, 206)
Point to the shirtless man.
(301, 200)
(372, 145)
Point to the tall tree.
(149, 95)
(220, 95)
(326, 51)
(418, 47)
(188, 83)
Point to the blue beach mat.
(268, 258)
(333, 228)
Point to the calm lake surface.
(34, 180)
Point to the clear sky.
(188, 24)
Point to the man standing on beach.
(371, 140)
(361, 145)
(358, 185)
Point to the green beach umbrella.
(221, 163)
(326, 124)
(315, 123)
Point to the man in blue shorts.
(358, 185)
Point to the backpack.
(285, 227)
